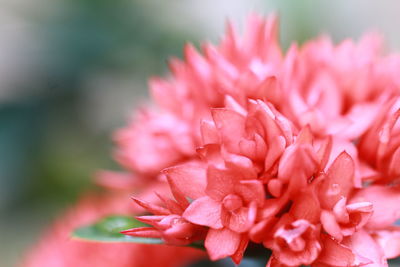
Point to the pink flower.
(295, 150)
(228, 207)
(344, 219)
(294, 243)
(298, 151)
(168, 223)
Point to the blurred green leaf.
(109, 228)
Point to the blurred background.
(71, 71)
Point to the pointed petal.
(209, 133)
(306, 206)
(276, 149)
(270, 89)
(389, 241)
(241, 165)
(221, 243)
(230, 124)
(275, 187)
(150, 219)
(211, 153)
(170, 204)
(324, 152)
(297, 166)
(148, 232)
(297, 160)
(197, 62)
(305, 136)
(220, 182)
(335, 254)
(338, 182)
(363, 244)
(251, 190)
(231, 103)
(157, 210)
(237, 257)
(178, 195)
(204, 211)
(189, 179)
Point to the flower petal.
(363, 244)
(389, 241)
(394, 169)
(209, 133)
(299, 160)
(239, 220)
(230, 124)
(188, 179)
(385, 202)
(276, 149)
(204, 211)
(241, 165)
(220, 182)
(155, 209)
(237, 257)
(306, 206)
(330, 225)
(251, 190)
(338, 181)
(335, 254)
(221, 243)
(324, 152)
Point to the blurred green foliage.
(48, 151)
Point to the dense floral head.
(298, 151)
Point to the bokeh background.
(71, 71)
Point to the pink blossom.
(169, 222)
(298, 151)
(295, 243)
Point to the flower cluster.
(298, 151)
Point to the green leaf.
(109, 228)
